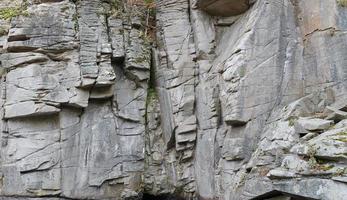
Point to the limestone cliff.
(173, 99)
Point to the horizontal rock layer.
(204, 99)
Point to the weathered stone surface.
(233, 149)
(16, 59)
(209, 99)
(329, 145)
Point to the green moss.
(324, 167)
(312, 162)
(3, 71)
(242, 180)
(332, 126)
(341, 136)
(148, 1)
(342, 3)
(343, 133)
(292, 120)
(115, 3)
(341, 172)
(10, 12)
(140, 59)
(116, 8)
(342, 139)
(65, 8)
(151, 97)
(151, 94)
(75, 20)
(316, 164)
(145, 37)
(242, 72)
(3, 31)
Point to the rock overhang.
(224, 8)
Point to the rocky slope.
(173, 99)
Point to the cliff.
(173, 99)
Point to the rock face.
(206, 99)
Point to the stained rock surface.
(173, 99)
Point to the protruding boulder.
(280, 174)
(223, 8)
(314, 124)
(330, 145)
(335, 114)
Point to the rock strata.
(173, 99)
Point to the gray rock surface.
(202, 99)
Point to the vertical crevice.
(75, 18)
(151, 90)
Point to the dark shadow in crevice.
(280, 195)
(160, 197)
(118, 65)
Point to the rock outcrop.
(173, 99)
(224, 8)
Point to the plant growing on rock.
(147, 7)
(8, 13)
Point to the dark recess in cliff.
(160, 197)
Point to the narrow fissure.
(160, 197)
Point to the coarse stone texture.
(174, 99)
